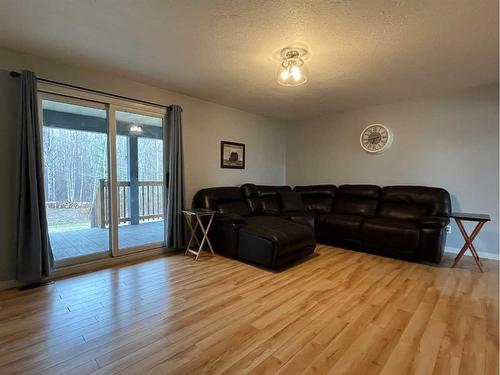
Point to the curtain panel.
(174, 231)
(34, 254)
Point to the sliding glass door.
(75, 155)
(139, 171)
(104, 177)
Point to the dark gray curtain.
(34, 255)
(174, 231)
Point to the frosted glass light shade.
(292, 75)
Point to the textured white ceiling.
(362, 52)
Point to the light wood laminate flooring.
(339, 312)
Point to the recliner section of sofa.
(352, 205)
(418, 217)
(275, 225)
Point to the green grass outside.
(68, 219)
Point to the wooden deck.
(81, 242)
(339, 312)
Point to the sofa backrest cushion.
(291, 201)
(412, 202)
(317, 198)
(263, 199)
(226, 200)
(359, 200)
(236, 207)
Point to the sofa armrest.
(230, 218)
(433, 222)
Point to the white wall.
(9, 153)
(205, 124)
(451, 142)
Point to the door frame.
(116, 250)
(49, 91)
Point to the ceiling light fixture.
(292, 71)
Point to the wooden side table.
(195, 215)
(480, 219)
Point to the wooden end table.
(480, 219)
(196, 215)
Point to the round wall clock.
(376, 138)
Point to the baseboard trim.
(93, 266)
(9, 284)
(107, 262)
(482, 254)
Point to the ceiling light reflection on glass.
(136, 129)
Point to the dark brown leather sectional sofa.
(273, 226)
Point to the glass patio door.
(75, 157)
(139, 179)
(104, 177)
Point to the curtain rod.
(16, 74)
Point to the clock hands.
(376, 138)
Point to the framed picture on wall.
(232, 155)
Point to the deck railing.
(141, 203)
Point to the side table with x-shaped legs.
(194, 221)
(480, 219)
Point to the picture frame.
(232, 155)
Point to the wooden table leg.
(205, 235)
(476, 255)
(193, 234)
(468, 243)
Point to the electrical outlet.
(448, 229)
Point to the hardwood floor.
(340, 312)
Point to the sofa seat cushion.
(390, 233)
(286, 235)
(340, 227)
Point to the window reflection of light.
(135, 128)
